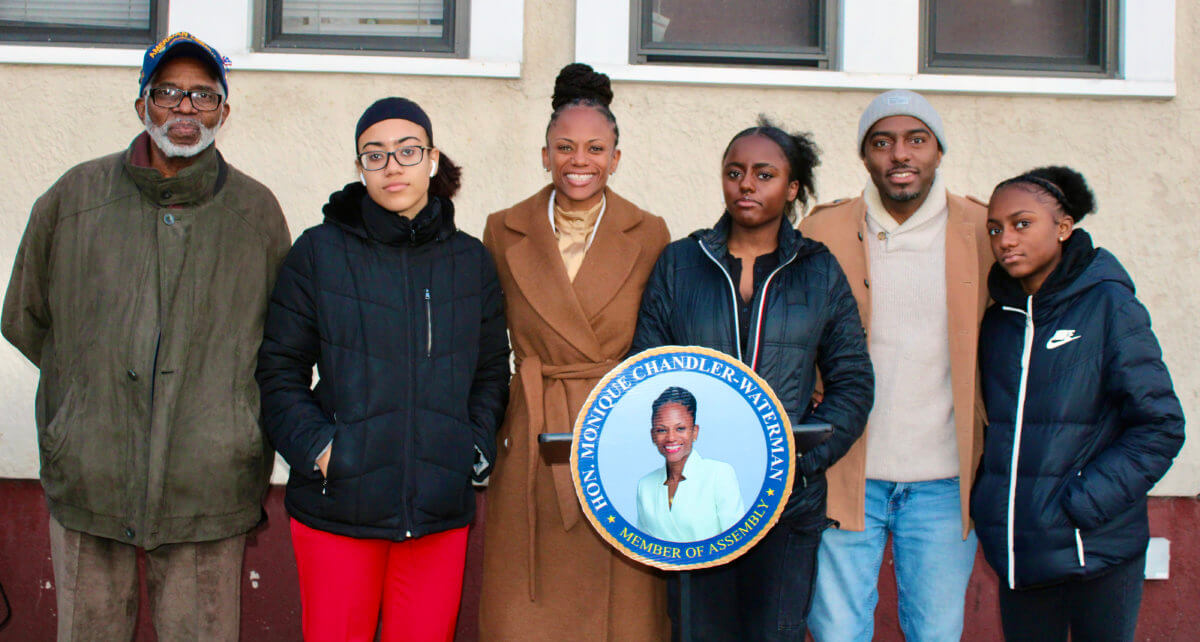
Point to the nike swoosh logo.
(1059, 341)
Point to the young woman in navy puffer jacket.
(1083, 419)
(403, 316)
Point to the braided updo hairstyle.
(800, 151)
(579, 84)
(1063, 185)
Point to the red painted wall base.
(271, 598)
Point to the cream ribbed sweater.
(911, 427)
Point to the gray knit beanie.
(901, 102)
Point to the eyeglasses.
(170, 97)
(377, 159)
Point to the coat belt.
(546, 402)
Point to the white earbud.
(433, 170)
(362, 178)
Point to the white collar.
(599, 217)
(935, 204)
(690, 463)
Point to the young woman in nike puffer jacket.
(403, 316)
(1083, 419)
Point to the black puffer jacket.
(1074, 377)
(405, 322)
(808, 320)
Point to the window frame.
(495, 45)
(879, 49)
(69, 36)
(268, 36)
(989, 64)
(820, 57)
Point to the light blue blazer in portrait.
(707, 501)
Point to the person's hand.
(817, 398)
(323, 460)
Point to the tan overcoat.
(547, 575)
(842, 226)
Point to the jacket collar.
(791, 242)
(196, 183)
(690, 465)
(934, 205)
(1070, 277)
(353, 210)
(537, 267)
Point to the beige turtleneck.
(574, 233)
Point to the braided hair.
(800, 151)
(1064, 185)
(678, 395)
(578, 84)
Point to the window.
(411, 26)
(132, 22)
(482, 40)
(873, 45)
(779, 32)
(1048, 36)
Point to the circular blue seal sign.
(682, 457)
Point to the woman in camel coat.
(572, 308)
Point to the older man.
(139, 291)
(917, 259)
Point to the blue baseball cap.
(182, 44)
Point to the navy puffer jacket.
(405, 323)
(1081, 406)
(808, 319)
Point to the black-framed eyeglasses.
(377, 159)
(170, 97)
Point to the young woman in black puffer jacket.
(404, 318)
(1083, 419)
(753, 287)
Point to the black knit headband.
(1050, 187)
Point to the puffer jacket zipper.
(1078, 535)
(428, 326)
(1026, 351)
(737, 321)
(758, 315)
(409, 420)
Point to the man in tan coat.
(917, 259)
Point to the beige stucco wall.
(293, 131)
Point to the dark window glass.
(754, 31)
(1031, 35)
(409, 26)
(81, 21)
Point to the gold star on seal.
(770, 492)
(611, 519)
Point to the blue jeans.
(933, 564)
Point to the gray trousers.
(194, 588)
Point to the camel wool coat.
(547, 575)
(842, 226)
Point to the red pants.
(346, 582)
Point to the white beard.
(159, 134)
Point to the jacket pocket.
(251, 443)
(443, 471)
(54, 437)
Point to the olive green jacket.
(141, 299)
